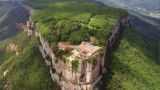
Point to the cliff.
(71, 44)
(87, 76)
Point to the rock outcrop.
(87, 76)
(13, 47)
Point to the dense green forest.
(135, 64)
(75, 21)
(27, 71)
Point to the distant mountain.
(140, 11)
(9, 17)
(146, 7)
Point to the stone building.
(88, 73)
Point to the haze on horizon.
(142, 6)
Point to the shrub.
(75, 64)
(92, 60)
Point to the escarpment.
(81, 66)
(76, 43)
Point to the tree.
(75, 38)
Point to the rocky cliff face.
(63, 75)
(87, 76)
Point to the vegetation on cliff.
(75, 21)
(135, 63)
(27, 71)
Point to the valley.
(11, 16)
(149, 8)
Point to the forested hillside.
(135, 64)
(75, 21)
(10, 16)
(25, 70)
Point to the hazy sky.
(142, 5)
